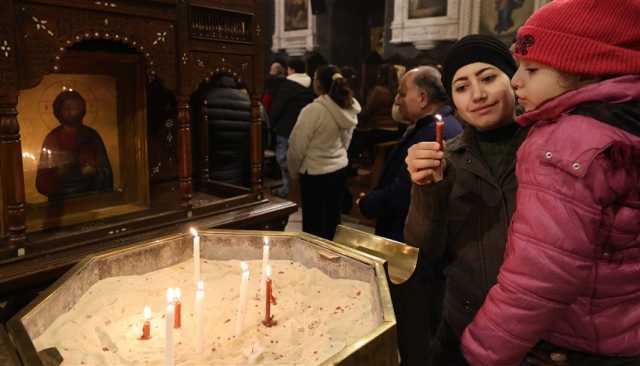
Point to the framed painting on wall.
(427, 8)
(296, 15)
(502, 18)
(84, 141)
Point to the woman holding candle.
(460, 219)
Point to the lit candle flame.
(200, 286)
(266, 241)
(244, 266)
(170, 295)
(268, 270)
(438, 117)
(147, 313)
(194, 232)
(177, 293)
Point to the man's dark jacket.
(229, 117)
(389, 201)
(462, 222)
(286, 106)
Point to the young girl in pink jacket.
(570, 283)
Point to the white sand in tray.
(317, 316)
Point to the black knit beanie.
(476, 48)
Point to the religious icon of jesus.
(73, 158)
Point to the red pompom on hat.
(585, 37)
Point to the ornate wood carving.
(256, 144)
(204, 145)
(205, 65)
(179, 51)
(220, 25)
(49, 30)
(8, 52)
(12, 176)
(184, 149)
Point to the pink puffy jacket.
(571, 274)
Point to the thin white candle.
(169, 351)
(196, 255)
(199, 317)
(265, 263)
(170, 295)
(242, 304)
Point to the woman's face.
(483, 96)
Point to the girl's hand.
(425, 163)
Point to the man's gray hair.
(428, 79)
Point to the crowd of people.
(527, 214)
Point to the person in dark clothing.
(277, 74)
(229, 116)
(293, 94)
(460, 218)
(389, 201)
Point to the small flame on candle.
(438, 117)
(200, 286)
(170, 295)
(244, 266)
(177, 293)
(194, 232)
(268, 270)
(170, 309)
(266, 241)
(147, 313)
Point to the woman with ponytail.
(317, 153)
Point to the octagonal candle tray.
(217, 298)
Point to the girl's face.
(483, 96)
(536, 83)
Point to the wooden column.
(12, 174)
(256, 144)
(185, 156)
(184, 149)
(204, 145)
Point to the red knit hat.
(586, 37)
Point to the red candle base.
(178, 315)
(273, 300)
(146, 331)
(269, 322)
